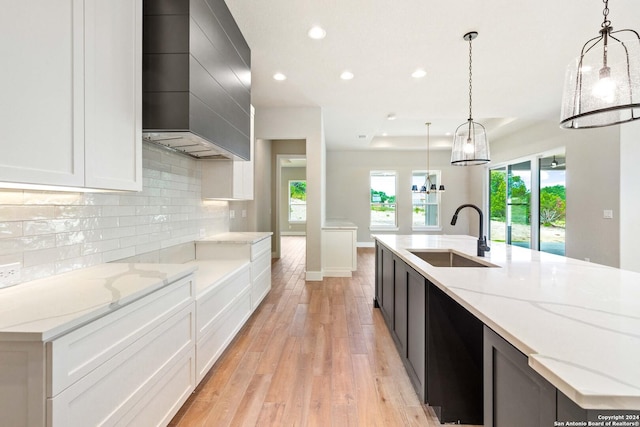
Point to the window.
(297, 201)
(425, 208)
(383, 200)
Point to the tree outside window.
(383, 200)
(297, 201)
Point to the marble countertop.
(210, 273)
(45, 308)
(242, 237)
(339, 224)
(578, 322)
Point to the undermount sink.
(449, 258)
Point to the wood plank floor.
(313, 354)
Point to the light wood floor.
(313, 354)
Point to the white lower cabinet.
(258, 252)
(221, 311)
(133, 366)
(260, 271)
(339, 252)
(113, 390)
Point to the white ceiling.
(519, 60)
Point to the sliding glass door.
(520, 192)
(510, 204)
(553, 203)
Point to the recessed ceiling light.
(279, 76)
(384, 134)
(391, 116)
(346, 75)
(448, 134)
(419, 73)
(317, 33)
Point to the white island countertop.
(45, 308)
(339, 224)
(577, 322)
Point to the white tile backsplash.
(54, 232)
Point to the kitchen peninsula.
(556, 338)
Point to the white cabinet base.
(339, 253)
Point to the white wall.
(629, 196)
(348, 188)
(593, 183)
(54, 232)
(302, 123)
(260, 207)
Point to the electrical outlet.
(232, 214)
(244, 213)
(203, 233)
(9, 274)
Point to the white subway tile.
(73, 238)
(11, 197)
(10, 229)
(101, 199)
(78, 262)
(51, 198)
(110, 256)
(100, 246)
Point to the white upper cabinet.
(71, 84)
(229, 179)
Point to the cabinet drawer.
(260, 264)
(214, 303)
(112, 390)
(77, 353)
(260, 288)
(260, 247)
(210, 345)
(167, 395)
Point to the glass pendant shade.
(470, 142)
(602, 85)
(470, 145)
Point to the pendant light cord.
(605, 22)
(470, 77)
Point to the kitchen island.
(574, 325)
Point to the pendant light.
(602, 86)
(428, 187)
(470, 143)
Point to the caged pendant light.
(470, 143)
(602, 86)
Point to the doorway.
(290, 200)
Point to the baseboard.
(365, 244)
(313, 276)
(337, 273)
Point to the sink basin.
(449, 258)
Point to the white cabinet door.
(113, 94)
(42, 86)
(71, 93)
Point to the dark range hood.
(196, 79)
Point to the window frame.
(438, 203)
(293, 221)
(378, 227)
